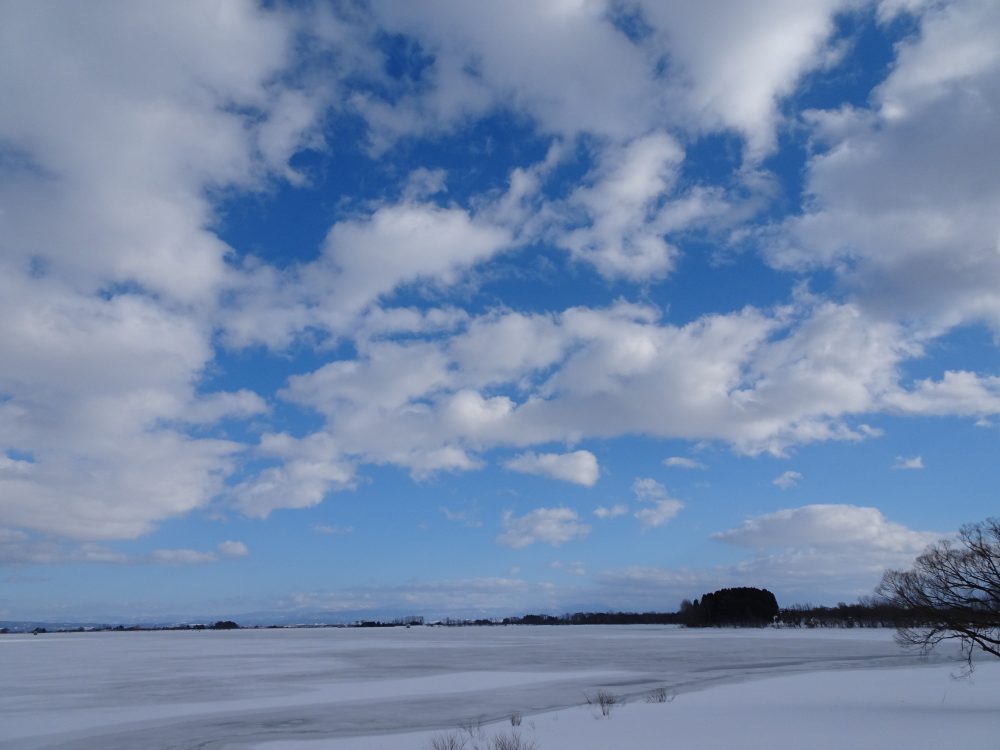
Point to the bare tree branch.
(953, 589)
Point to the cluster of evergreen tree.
(740, 607)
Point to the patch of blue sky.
(862, 53)
(629, 19)
(970, 347)
(285, 224)
(720, 280)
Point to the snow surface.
(912, 708)
(396, 688)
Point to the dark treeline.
(866, 613)
(738, 607)
(734, 607)
(598, 618)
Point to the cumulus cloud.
(959, 393)
(624, 236)
(578, 467)
(835, 551)
(575, 71)
(110, 270)
(548, 525)
(117, 292)
(361, 260)
(309, 469)
(901, 205)
(787, 480)
(828, 526)
(811, 553)
(760, 380)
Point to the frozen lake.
(237, 689)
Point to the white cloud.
(115, 288)
(549, 525)
(361, 260)
(909, 464)
(648, 490)
(114, 409)
(959, 393)
(571, 70)
(823, 550)
(624, 236)
(682, 462)
(216, 406)
(663, 507)
(507, 346)
(614, 511)
(738, 60)
(578, 467)
(762, 381)
(309, 469)
(901, 204)
(787, 479)
(398, 244)
(110, 272)
(828, 526)
(233, 549)
(126, 141)
(661, 512)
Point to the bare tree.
(953, 590)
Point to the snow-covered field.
(400, 688)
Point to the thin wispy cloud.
(661, 508)
(330, 529)
(613, 511)
(233, 549)
(912, 463)
(787, 480)
(682, 462)
(466, 517)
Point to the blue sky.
(353, 309)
